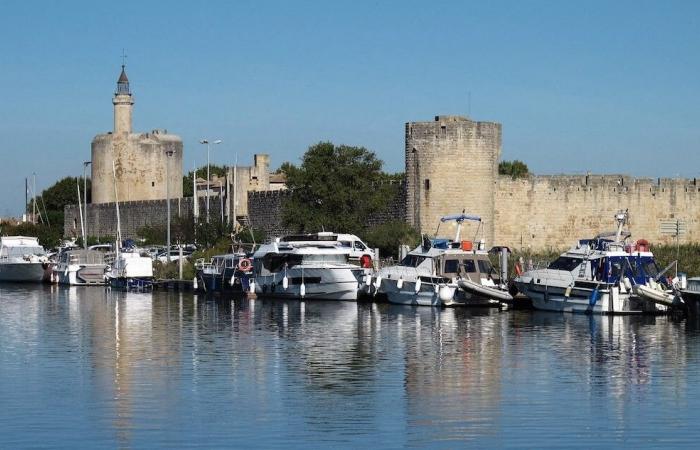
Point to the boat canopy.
(460, 218)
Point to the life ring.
(366, 261)
(244, 265)
(518, 269)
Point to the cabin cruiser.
(309, 266)
(80, 268)
(691, 295)
(129, 271)
(443, 272)
(603, 275)
(22, 259)
(230, 272)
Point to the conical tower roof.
(123, 78)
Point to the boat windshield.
(327, 259)
(485, 266)
(412, 261)
(565, 263)
(650, 268)
(21, 251)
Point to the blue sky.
(607, 87)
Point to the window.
(359, 246)
(427, 184)
(451, 266)
(469, 266)
(412, 261)
(565, 263)
(485, 266)
(153, 183)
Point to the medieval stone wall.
(543, 212)
(102, 217)
(265, 212)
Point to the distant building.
(236, 184)
(141, 160)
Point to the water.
(82, 367)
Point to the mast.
(116, 202)
(80, 209)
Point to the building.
(237, 183)
(139, 164)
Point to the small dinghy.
(656, 295)
(480, 290)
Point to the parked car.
(174, 255)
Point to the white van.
(358, 252)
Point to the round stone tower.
(452, 165)
(142, 161)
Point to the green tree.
(389, 236)
(515, 169)
(335, 188)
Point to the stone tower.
(123, 105)
(452, 165)
(141, 160)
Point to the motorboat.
(80, 268)
(443, 272)
(129, 271)
(691, 295)
(306, 267)
(22, 259)
(604, 275)
(229, 272)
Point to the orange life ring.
(518, 269)
(244, 265)
(366, 262)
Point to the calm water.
(82, 367)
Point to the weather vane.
(123, 58)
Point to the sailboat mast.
(116, 202)
(80, 209)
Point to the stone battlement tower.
(141, 160)
(452, 161)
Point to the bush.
(389, 236)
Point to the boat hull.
(81, 275)
(427, 295)
(578, 300)
(131, 284)
(319, 283)
(26, 272)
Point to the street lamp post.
(206, 141)
(168, 153)
(85, 164)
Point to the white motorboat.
(602, 275)
(22, 259)
(129, 271)
(442, 272)
(307, 266)
(80, 268)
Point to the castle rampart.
(541, 212)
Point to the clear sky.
(606, 87)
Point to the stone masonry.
(452, 165)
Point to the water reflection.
(172, 369)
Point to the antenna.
(123, 58)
